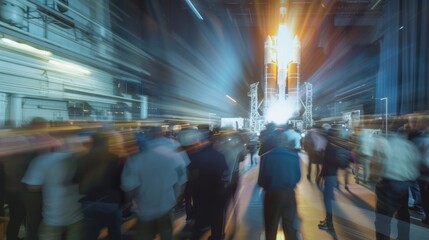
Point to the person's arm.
(34, 176)
(129, 180)
(262, 175)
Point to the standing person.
(155, 180)
(293, 138)
(24, 205)
(188, 139)
(265, 139)
(400, 165)
(279, 174)
(232, 148)
(421, 139)
(99, 175)
(336, 157)
(53, 173)
(314, 144)
(410, 130)
(208, 173)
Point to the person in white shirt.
(62, 215)
(155, 179)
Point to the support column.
(16, 110)
(3, 106)
(143, 107)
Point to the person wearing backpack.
(336, 157)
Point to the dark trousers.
(16, 214)
(28, 206)
(209, 212)
(392, 197)
(328, 195)
(33, 209)
(147, 229)
(280, 205)
(314, 157)
(99, 215)
(424, 191)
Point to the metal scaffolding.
(254, 120)
(308, 105)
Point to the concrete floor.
(353, 210)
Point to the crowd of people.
(73, 184)
(394, 163)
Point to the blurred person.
(421, 139)
(188, 138)
(264, 138)
(293, 138)
(17, 150)
(279, 174)
(363, 153)
(2, 193)
(336, 157)
(400, 164)
(155, 180)
(314, 144)
(53, 173)
(233, 149)
(98, 176)
(269, 142)
(252, 148)
(208, 171)
(409, 130)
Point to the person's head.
(270, 126)
(412, 122)
(326, 127)
(38, 123)
(155, 132)
(280, 139)
(188, 137)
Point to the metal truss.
(308, 105)
(254, 120)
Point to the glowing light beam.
(194, 9)
(230, 98)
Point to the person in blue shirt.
(279, 173)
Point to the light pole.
(210, 120)
(386, 107)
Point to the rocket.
(281, 65)
(283, 11)
(270, 72)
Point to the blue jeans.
(328, 195)
(99, 215)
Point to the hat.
(188, 137)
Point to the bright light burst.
(280, 111)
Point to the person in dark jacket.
(279, 174)
(99, 178)
(208, 172)
(336, 156)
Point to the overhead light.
(25, 47)
(73, 68)
(194, 9)
(230, 98)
